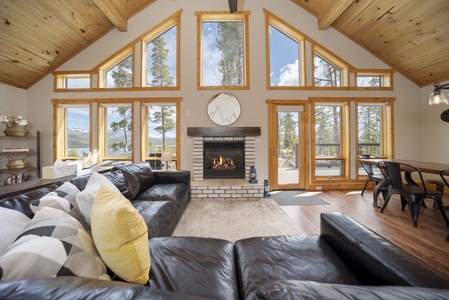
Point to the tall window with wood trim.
(73, 130)
(223, 50)
(116, 130)
(286, 63)
(161, 120)
(161, 55)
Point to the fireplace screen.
(224, 160)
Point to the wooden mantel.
(223, 131)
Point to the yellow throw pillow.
(121, 236)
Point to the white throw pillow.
(12, 223)
(86, 198)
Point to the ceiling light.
(438, 96)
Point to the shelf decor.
(15, 126)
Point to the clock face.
(445, 115)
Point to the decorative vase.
(16, 130)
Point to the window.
(374, 79)
(120, 75)
(162, 132)
(77, 132)
(71, 81)
(285, 61)
(223, 51)
(328, 71)
(161, 59)
(329, 146)
(116, 128)
(117, 72)
(73, 130)
(369, 81)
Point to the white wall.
(254, 109)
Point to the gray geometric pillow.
(52, 244)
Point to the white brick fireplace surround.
(224, 188)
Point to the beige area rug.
(235, 219)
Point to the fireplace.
(224, 160)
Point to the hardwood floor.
(427, 241)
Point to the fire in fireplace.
(224, 160)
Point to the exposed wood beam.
(329, 16)
(113, 13)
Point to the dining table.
(423, 166)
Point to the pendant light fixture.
(438, 96)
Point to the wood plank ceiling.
(411, 36)
(38, 36)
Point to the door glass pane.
(288, 147)
(328, 141)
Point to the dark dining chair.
(370, 175)
(411, 195)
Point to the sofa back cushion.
(138, 177)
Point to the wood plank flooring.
(427, 241)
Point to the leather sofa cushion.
(261, 260)
(138, 177)
(157, 215)
(192, 265)
(166, 192)
(297, 290)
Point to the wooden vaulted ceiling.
(38, 36)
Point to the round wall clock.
(445, 115)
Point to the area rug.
(291, 198)
(235, 219)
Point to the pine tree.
(164, 117)
(160, 69)
(230, 43)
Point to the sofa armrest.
(178, 176)
(375, 260)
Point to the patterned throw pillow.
(85, 199)
(63, 198)
(121, 236)
(52, 244)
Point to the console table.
(26, 186)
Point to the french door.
(286, 145)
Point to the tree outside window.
(161, 59)
(120, 75)
(223, 53)
(325, 73)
